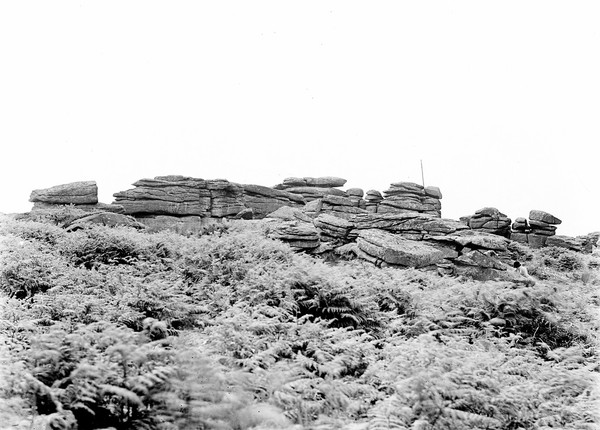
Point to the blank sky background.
(501, 100)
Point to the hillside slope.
(116, 328)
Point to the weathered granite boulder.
(287, 213)
(342, 207)
(489, 220)
(322, 182)
(408, 196)
(76, 193)
(473, 240)
(333, 228)
(540, 227)
(372, 200)
(109, 219)
(536, 240)
(313, 193)
(412, 225)
(537, 215)
(265, 200)
(519, 237)
(520, 225)
(381, 246)
(355, 192)
(478, 258)
(573, 243)
(167, 195)
(227, 198)
(299, 235)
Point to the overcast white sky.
(501, 100)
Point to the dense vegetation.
(115, 328)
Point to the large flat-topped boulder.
(395, 250)
(537, 215)
(407, 223)
(474, 239)
(323, 181)
(313, 193)
(75, 193)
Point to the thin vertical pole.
(422, 175)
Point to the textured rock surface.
(342, 207)
(109, 219)
(490, 220)
(76, 193)
(287, 213)
(575, 244)
(265, 200)
(167, 195)
(299, 235)
(395, 250)
(410, 224)
(333, 228)
(408, 196)
(545, 217)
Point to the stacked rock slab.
(383, 247)
(82, 195)
(489, 220)
(536, 231)
(342, 207)
(411, 197)
(299, 235)
(313, 188)
(180, 202)
(409, 225)
(334, 229)
(372, 200)
(356, 196)
(264, 200)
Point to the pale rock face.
(395, 250)
(536, 215)
(76, 193)
(109, 219)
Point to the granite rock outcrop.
(403, 227)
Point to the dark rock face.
(573, 243)
(76, 193)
